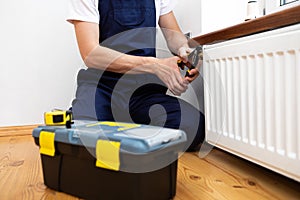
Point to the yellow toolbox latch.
(47, 146)
(108, 154)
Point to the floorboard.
(219, 175)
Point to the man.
(124, 80)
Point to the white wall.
(188, 15)
(204, 16)
(218, 14)
(39, 60)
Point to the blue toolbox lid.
(134, 137)
(118, 140)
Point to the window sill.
(268, 22)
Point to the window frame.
(278, 5)
(286, 2)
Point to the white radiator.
(252, 98)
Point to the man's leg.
(164, 110)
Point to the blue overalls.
(129, 26)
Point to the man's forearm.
(175, 40)
(107, 59)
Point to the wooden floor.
(217, 176)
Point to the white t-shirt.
(87, 10)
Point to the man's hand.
(193, 74)
(183, 52)
(167, 70)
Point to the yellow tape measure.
(58, 117)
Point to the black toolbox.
(110, 160)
